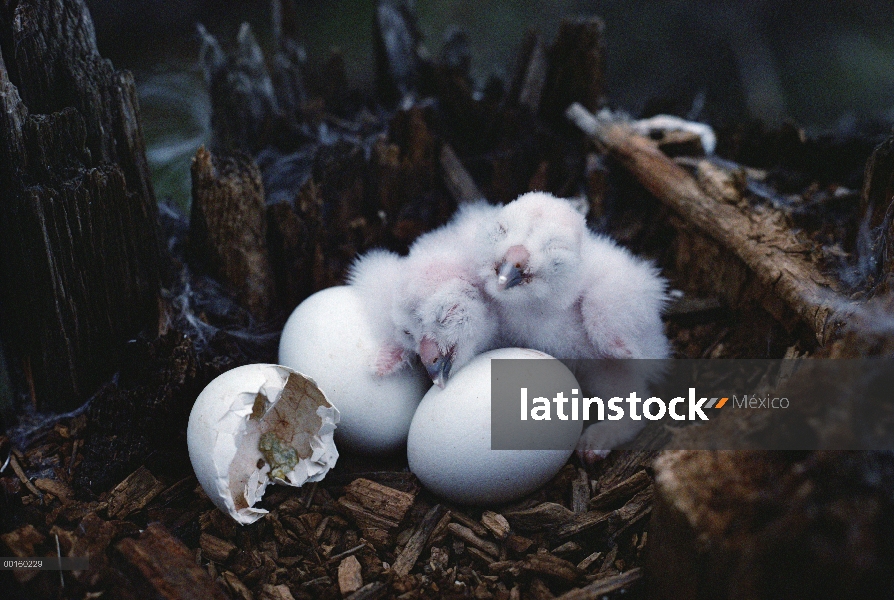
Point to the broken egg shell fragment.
(257, 406)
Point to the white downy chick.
(377, 276)
(573, 294)
(441, 304)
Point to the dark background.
(823, 65)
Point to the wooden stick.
(765, 245)
(461, 185)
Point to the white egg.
(329, 338)
(449, 446)
(256, 424)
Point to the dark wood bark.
(228, 228)
(576, 68)
(764, 524)
(79, 219)
(397, 40)
(878, 209)
(746, 256)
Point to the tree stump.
(79, 222)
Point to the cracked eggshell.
(256, 424)
(449, 443)
(329, 338)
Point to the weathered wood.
(529, 74)
(406, 560)
(576, 68)
(467, 535)
(496, 524)
(621, 492)
(755, 523)
(79, 233)
(602, 587)
(134, 493)
(243, 102)
(397, 39)
(543, 516)
(552, 566)
(761, 240)
(580, 492)
(877, 204)
(461, 185)
(165, 567)
(228, 228)
(350, 579)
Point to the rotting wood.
(529, 74)
(406, 560)
(467, 535)
(461, 185)
(496, 524)
(576, 68)
(602, 587)
(877, 204)
(371, 591)
(552, 566)
(216, 549)
(397, 40)
(388, 503)
(350, 578)
(543, 516)
(78, 231)
(762, 242)
(580, 492)
(623, 491)
(166, 567)
(228, 228)
(134, 493)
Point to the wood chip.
(579, 524)
(518, 543)
(411, 552)
(371, 591)
(538, 590)
(216, 549)
(56, 488)
(602, 587)
(621, 492)
(275, 592)
(461, 185)
(167, 567)
(471, 523)
(608, 565)
(350, 578)
(580, 492)
(566, 548)
(386, 505)
(468, 536)
(134, 493)
(588, 561)
(22, 541)
(543, 516)
(486, 559)
(631, 512)
(20, 473)
(496, 524)
(552, 566)
(238, 589)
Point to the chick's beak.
(510, 272)
(508, 276)
(436, 363)
(439, 371)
